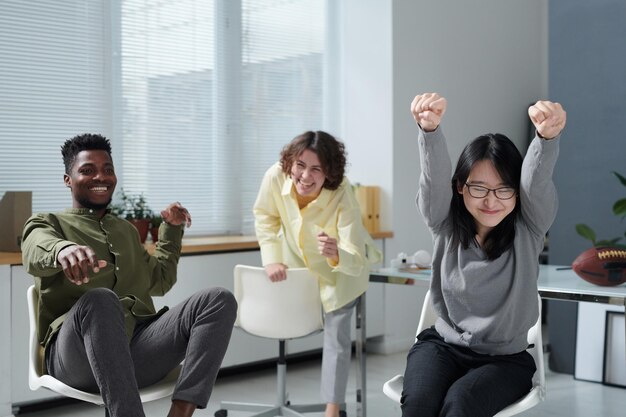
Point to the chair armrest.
(393, 388)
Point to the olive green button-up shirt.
(131, 272)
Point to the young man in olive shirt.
(95, 282)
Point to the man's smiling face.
(92, 180)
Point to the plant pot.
(154, 234)
(142, 226)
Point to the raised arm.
(537, 190)
(163, 264)
(434, 193)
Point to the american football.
(602, 266)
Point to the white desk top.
(554, 283)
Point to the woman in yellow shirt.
(306, 215)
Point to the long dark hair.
(507, 160)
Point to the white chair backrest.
(428, 316)
(34, 366)
(278, 310)
(535, 340)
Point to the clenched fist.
(428, 109)
(549, 118)
(328, 247)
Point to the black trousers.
(91, 351)
(453, 381)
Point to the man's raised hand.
(175, 214)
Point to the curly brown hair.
(330, 151)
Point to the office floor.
(565, 397)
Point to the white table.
(558, 283)
(555, 282)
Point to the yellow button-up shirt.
(288, 235)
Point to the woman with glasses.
(488, 225)
(306, 215)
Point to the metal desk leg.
(361, 387)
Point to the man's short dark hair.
(84, 142)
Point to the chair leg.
(281, 375)
(281, 386)
(288, 412)
(307, 408)
(282, 407)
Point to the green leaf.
(620, 178)
(614, 245)
(611, 242)
(586, 232)
(619, 208)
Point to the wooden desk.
(194, 245)
(10, 258)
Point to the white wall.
(366, 99)
(488, 58)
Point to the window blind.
(211, 92)
(282, 83)
(198, 97)
(166, 65)
(54, 84)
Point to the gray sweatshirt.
(487, 305)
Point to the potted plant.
(155, 222)
(619, 209)
(135, 209)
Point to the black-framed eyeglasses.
(502, 193)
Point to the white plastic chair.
(36, 379)
(393, 387)
(281, 310)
